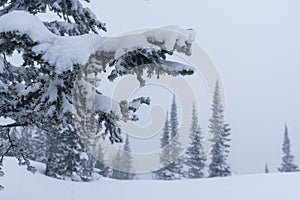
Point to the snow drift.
(20, 184)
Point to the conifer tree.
(170, 158)
(219, 165)
(287, 164)
(217, 118)
(194, 159)
(123, 161)
(103, 169)
(176, 167)
(220, 132)
(65, 143)
(165, 157)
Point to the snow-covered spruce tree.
(100, 166)
(165, 157)
(176, 167)
(215, 128)
(194, 159)
(287, 164)
(39, 92)
(123, 161)
(170, 157)
(77, 20)
(217, 117)
(219, 154)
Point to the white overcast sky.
(255, 45)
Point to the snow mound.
(20, 184)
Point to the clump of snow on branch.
(65, 52)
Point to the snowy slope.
(20, 184)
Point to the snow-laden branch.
(65, 52)
(72, 65)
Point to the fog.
(255, 45)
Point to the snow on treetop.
(65, 52)
(25, 23)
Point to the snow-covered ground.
(20, 184)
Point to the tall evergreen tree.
(170, 158)
(220, 133)
(123, 161)
(165, 157)
(174, 118)
(165, 139)
(194, 158)
(219, 164)
(287, 164)
(217, 119)
(100, 165)
(176, 167)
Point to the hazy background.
(255, 45)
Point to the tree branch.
(13, 125)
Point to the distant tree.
(170, 157)
(220, 133)
(287, 164)
(123, 161)
(128, 159)
(102, 168)
(217, 118)
(174, 119)
(194, 159)
(219, 164)
(266, 168)
(176, 167)
(165, 157)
